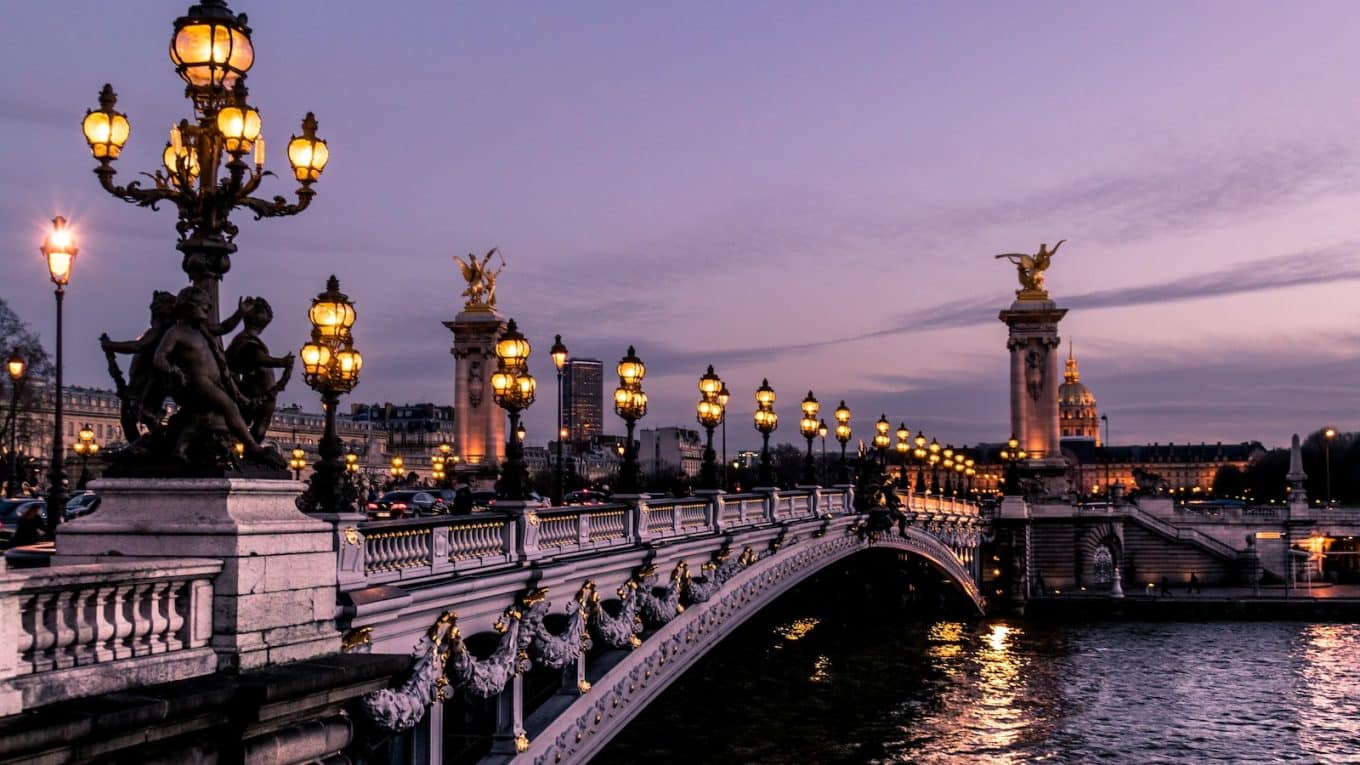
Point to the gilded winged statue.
(481, 280)
(1031, 268)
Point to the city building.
(411, 431)
(1077, 414)
(582, 399)
(667, 450)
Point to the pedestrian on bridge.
(1193, 586)
(1166, 586)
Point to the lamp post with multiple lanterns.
(1012, 455)
(843, 433)
(59, 249)
(630, 403)
(723, 397)
(85, 447)
(205, 171)
(919, 453)
(933, 459)
(330, 366)
(903, 447)
(16, 366)
(297, 462)
(808, 426)
(559, 358)
(514, 390)
(881, 439)
(765, 421)
(710, 413)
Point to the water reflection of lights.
(946, 643)
(796, 629)
(1331, 660)
(821, 670)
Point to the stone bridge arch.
(576, 733)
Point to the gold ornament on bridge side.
(1030, 270)
(481, 280)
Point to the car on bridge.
(585, 497)
(404, 503)
(22, 521)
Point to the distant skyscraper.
(582, 399)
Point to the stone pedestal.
(274, 600)
(479, 425)
(1033, 342)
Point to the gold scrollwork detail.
(351, 535)
(355, 638)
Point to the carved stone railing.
(73, 631)
(380, 552)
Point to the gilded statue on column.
(481, 280)
(1030, 270)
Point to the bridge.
(654, 583)
(344, 632)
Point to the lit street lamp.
(723, 397)
(903, 452)
(710, 415)
(1012, 455)
(559, 357)
(206, 174)
(1327, 436)
(398, 469)
(330, 366)
(919, 453)
(16, 366)
(843, 434)
(808, 427)
(630, 403)
(59, 248)
(297, 462)
(822, 430)
(765, 421)
(514, 390)
(85, 447)
(881, 439)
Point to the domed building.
(1077, 415)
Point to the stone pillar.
(274, 600)
(1033, 342)
(479, 425)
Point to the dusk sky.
(809, 192)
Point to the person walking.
(1166, 586)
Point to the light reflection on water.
(1001, 692)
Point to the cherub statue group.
(224, 398)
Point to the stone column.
(1033, 342)
(479, 425)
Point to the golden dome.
(1077, 404)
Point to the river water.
(818, 679)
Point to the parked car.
(404, 503)
(82, 504)
(22, 521)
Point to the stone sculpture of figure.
(1031, 268)
(481, 280)
(195, 370)
(144, 392)
(1034, 372)
(252, 367)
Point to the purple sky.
(807, 192)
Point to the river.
(826, 676)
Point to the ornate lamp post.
(16, 366)
(297, 462)
(808, 426)
(437, 469)
(630, 403)
(514, 390)
(59, 248)
(330, 366)
(822, 430)
(206, 174)
(85, 447)
(920, 453)
(1327, 435)
(881, 439)
(723, 397)
(398, 469)
(948, 465)
(1011, 455)
(933, 458)
(710, 415)
(843, 434)
(903, 452)
(765, 421)
(559, 357)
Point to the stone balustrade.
(380, 552)
(404, 550)
(82, 630)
